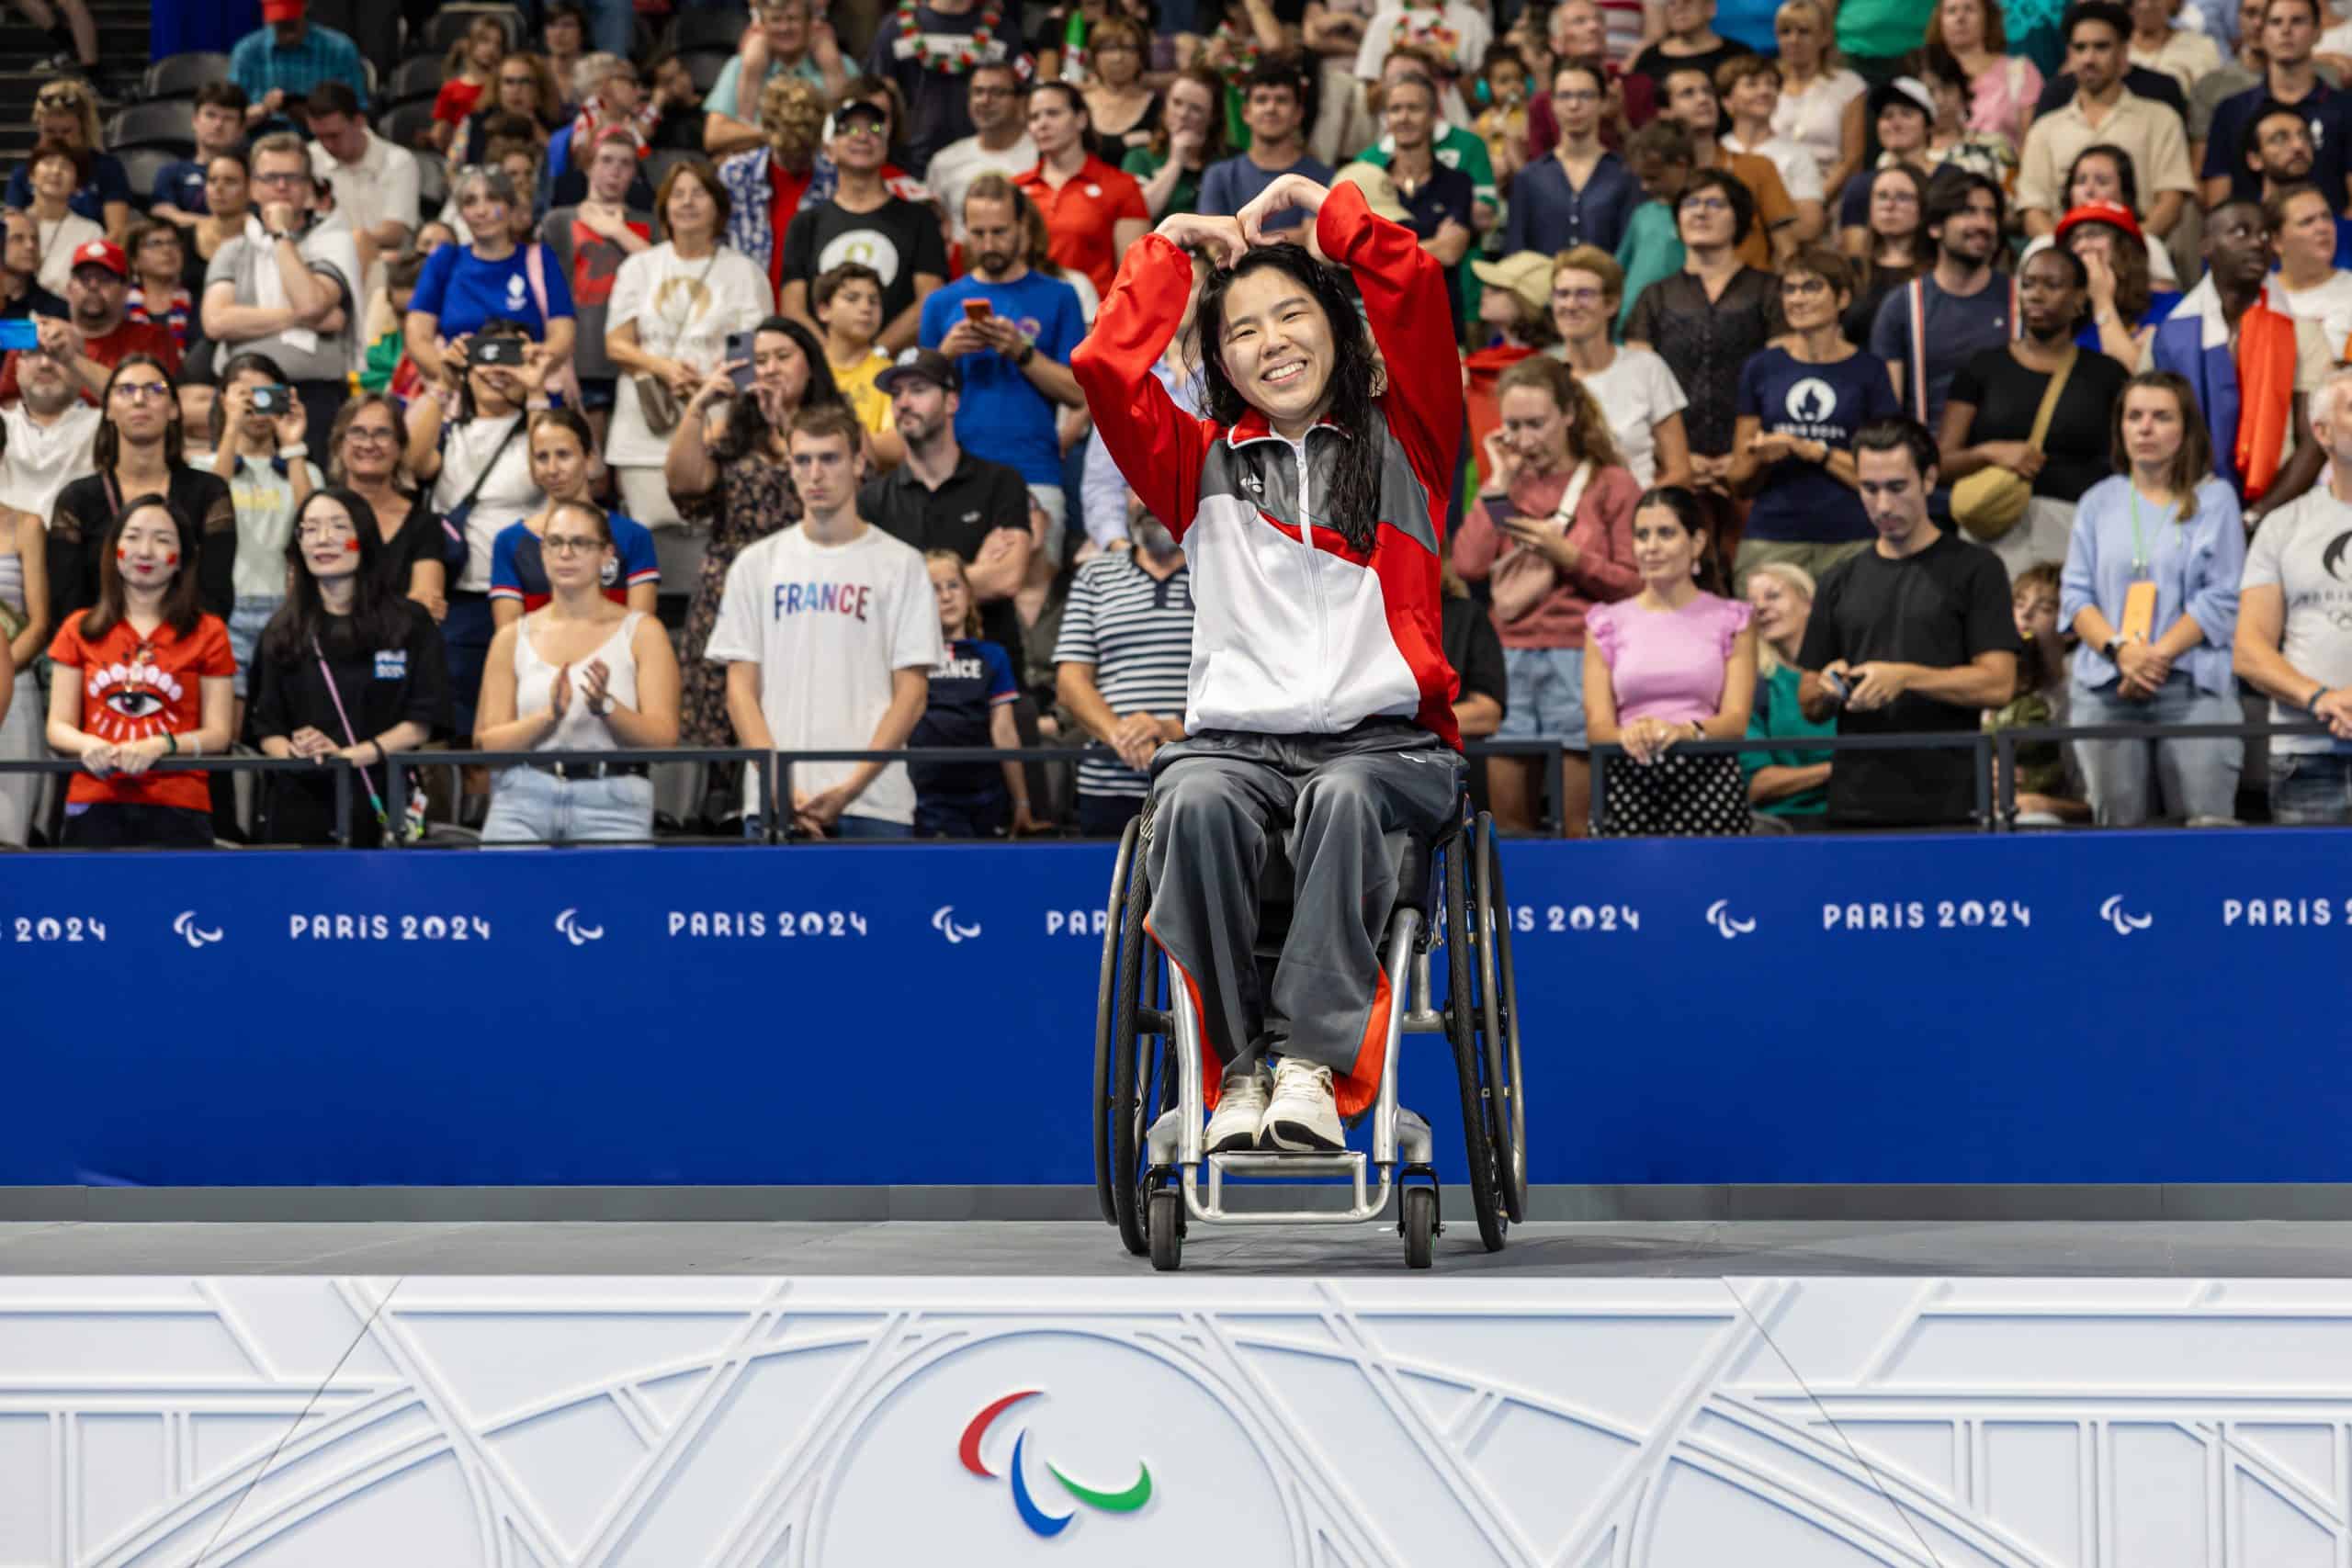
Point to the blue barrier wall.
(2142, 1007)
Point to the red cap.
(282, 10)
(105, 253)
(2113, 212)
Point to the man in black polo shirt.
(942, 498)
(1914, 633)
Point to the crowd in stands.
(1894, 366)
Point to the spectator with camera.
(787, 610)
(1915, 633)
(1012, 382)
(142, 673)
(178, 195)
(563, 460)
(2151, 591)
(258, 447)
(944, 497)
(972, 694)
(479, 468)
(347, 670)
(1122, 659)
(2295, 631)
(463, 287)
(292, 290)
(137, 451)
(580, 673)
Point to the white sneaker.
(1302, 1115)
(1240, 1111)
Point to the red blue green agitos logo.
(1039, 1521)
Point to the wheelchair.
(1151, 1177)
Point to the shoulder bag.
(1524, 577)
(1988, 503)
(454, 548)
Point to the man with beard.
(1964, 304)
(2291, 77)
(50, 432)
(97, 330)
(999, 144)
(2279, 151)
(2104, 112)
(1123, 655)
(2252, 367)
(942, 498)
(1010, 331)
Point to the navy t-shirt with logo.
(518, 564)
(1798, 501)
(971, 680)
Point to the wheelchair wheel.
(1419, 1227)
(1106, 993)
(1142, 1069)
(1499, 1017)
(1167, 1229)
(1462, 1030)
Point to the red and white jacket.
(1295, 632)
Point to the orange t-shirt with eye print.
(134, 687)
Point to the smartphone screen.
(18, 333)
(739, 354)
(976, 311)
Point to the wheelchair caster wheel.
(1419, 1227)
(1167, 1229)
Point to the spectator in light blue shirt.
(287, 57)
(2151, 591)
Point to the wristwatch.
(2113, 643)
(1021, 360)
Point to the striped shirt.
(1138, 633)
(258, 66)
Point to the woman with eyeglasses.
(67, 111)
(462, 286)
(1637, 394)
(1121, 108)
(138, 450)
(143, 674)
(346, 668)
(525, 88)
(563, 463)
(1706, 321)
(1801, 402)
(364, 456)
(580, 673)
(159, 293)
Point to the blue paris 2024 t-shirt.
(463, 291)
(1004, 416)
(1800, 502)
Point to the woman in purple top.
(1674, 662)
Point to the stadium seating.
(170, 122)
(707, 32)
(402, 124)
(416, 78)
(450, 23)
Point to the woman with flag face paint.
(142, 675)
(347, 669)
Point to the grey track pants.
(1344, 806)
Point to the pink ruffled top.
(1667, 664)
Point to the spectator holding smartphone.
(1913, 633)
(346, 668)
(972, 694)
(781, 618)
(142, 675)
(258, 448)
(580, 673)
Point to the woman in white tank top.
(580, 673)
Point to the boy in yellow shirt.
(847, 300)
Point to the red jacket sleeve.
(1405, 301)
(1157, 446)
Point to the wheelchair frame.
(1151, 1174)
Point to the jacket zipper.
(1319, 717)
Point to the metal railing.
(771, 771)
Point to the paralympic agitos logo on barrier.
(1039, 1521)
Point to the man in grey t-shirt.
(2294, 635)
(287, 285)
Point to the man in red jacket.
(1319, 704)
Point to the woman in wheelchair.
(1319, 702)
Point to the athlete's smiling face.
(1277, 346)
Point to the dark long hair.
(182, 608)
(1352, 505)
(105, 446)
(1698, 522)
(378, 615)
(747, 425)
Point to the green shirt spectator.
(1776, 716)
(1651, 248)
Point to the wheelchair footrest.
(1351, 1164)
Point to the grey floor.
(2239, 1248)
